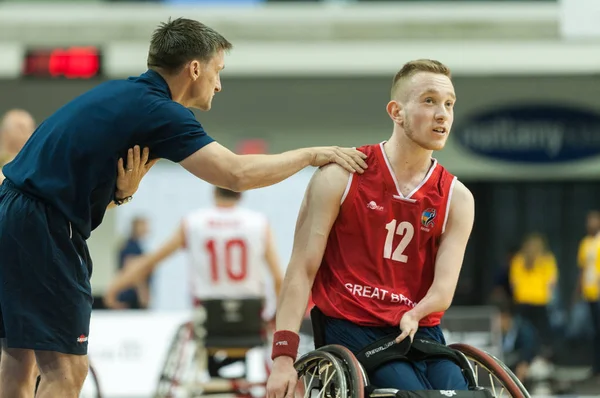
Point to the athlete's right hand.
(351, 159)
(283, 378)
(409, 324)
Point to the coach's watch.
(122, 201)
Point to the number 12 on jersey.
(406, 231)
(235, 267)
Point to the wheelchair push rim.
(322, 371)
(510, 386)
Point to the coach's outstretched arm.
(219, 166)
(318, 212)
(447, 263)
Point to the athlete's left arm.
(450, 254)
(273, 262)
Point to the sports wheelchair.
(222, 334)
(335, 372)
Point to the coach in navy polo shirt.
(59, 186)
(70, 161)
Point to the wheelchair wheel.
(500, 380)
(175, 361)
(355, 372)
(323, 374)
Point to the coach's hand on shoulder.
(349, 158)
(130, 176)
(283, 378)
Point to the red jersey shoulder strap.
(448, 181)
(354, 180)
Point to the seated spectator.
(519, 341)
(502, 290)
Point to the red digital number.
(72, 62)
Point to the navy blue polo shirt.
(70, 161)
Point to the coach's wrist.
(119, 194)
(122, 197)
(305, 156)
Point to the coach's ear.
(194, 70)
(394, 109)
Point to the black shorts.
(45, 267)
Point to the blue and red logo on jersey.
(427, 217)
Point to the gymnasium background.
(526, 137)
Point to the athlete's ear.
(394, 109)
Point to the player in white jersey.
(227, 246)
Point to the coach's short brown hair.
(413, 67)
(175, 43)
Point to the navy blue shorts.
(45, 267)
(433, 374)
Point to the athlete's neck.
(406, 157)
(225, 203)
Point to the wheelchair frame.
(187, 362)
(352, 380)
(355, 382)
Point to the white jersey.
(226, 250)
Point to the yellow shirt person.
(588, 259)
(533, 283)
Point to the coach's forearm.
(257, 171)
(434, 301)
(292, 302)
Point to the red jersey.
(380, 255)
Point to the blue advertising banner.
(532, 133)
